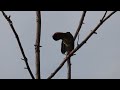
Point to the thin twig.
(19, 43)
(80, 45)
(37, 44)
(104, 16)
(78, 39)
(80, 24)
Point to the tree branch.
(104, 15)
(77, 31)
(37, 44)
(69, 68)
(80, 45)
(80, 24)
(19, 43)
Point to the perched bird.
(67, 44)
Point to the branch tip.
(25, 68)
(37, 45)
(22, 59)
(95, 32)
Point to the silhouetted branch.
(104, 15)
(80, 45)
(80, 24)
(77, 32)
(19, 43)
(37, 44)
(69, 68)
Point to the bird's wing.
(63, 48)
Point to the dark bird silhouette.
(67, 44)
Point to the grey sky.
(98, 58)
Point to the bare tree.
(37, 43)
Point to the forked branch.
(104, 15)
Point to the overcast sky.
(99, 58)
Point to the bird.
(67, 44)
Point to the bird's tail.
(58, 35)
